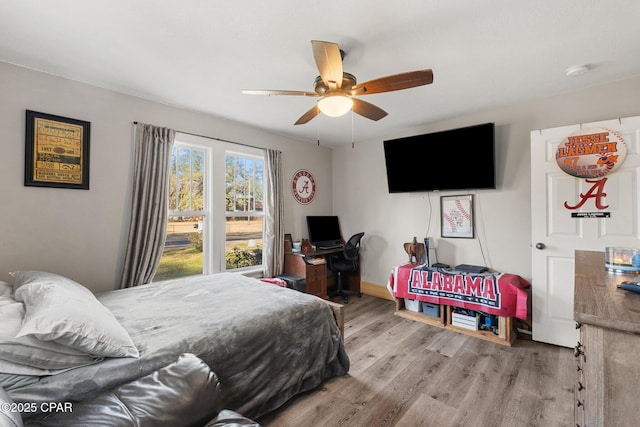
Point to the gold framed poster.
(56, 151)
(456, 216)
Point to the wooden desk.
(298, 264)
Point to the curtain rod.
(219, 139)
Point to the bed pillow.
(61, 310)
(6, 290)
(44, 279)
(30, 351)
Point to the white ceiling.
(200, 54)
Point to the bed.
(266, 343)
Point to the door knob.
(540, 245)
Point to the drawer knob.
(580, 403)
(580, 386)
(578, 325)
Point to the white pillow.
(61, 310)
(41, 279)
(6, 290)
(30, 351)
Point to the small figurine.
(415, 251)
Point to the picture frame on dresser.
(56, 151)
(456, 216)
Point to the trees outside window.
(244, 214)
(216, 208)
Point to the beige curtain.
(273, 244)
(148, 229)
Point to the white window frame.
(187, 141)
(214, 232)
(250, 153)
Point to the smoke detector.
(577, 70)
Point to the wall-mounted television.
(456, 159)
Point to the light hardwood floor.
(405, 373)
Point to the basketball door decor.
(303, 187)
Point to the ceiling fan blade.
(279, 92)
(394, 82)
(306, 117)
(329, 61)
(365, 109)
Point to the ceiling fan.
(338, 90)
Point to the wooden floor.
(405, 373)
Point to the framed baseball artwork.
(456, 216)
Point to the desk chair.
(346, 262)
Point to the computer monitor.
(324, 231)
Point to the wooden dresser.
(608, 353)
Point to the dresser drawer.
(317, 280)
(315, 272)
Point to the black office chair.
(346, 262)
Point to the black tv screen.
(324, 231)
(456, 159)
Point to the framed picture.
(456, 216)
(56, 152)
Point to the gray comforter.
(265, 343)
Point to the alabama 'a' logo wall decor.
(303, 186)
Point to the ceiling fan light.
(335, 105)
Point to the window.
(215, 208)
(244, 213)
(183, 250)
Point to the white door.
(556, 234)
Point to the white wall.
(82, 234)
(361, 199)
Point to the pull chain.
(318, 126)
(353, 144)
